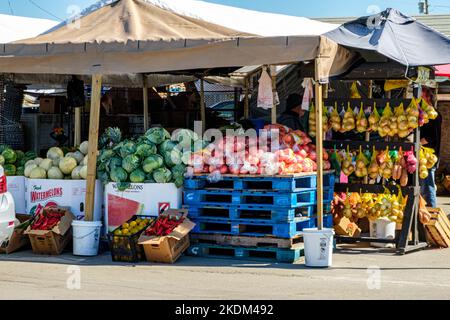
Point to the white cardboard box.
(139, 199)
(16, 186)
(64, 193)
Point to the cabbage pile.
(13, 161)
(154, 157)
(59, 164)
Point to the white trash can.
(318, 247)
(86, 237)
(382, 228)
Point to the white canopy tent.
(13, 28)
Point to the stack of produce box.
(256, 215)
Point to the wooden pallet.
(438, 228)
(241, 241)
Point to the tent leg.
(77, 141)
(319, 146)
(202, 105)
(274, 92)
(247, 101)
(145, 98)
(93, 145)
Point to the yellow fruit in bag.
(312, 121)
(361, 121)
(348, 123)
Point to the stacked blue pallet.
(276, 207)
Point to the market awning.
(135, 36)
(396, 36)
(443, 70)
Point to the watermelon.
(120, 210)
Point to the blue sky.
(320, 8)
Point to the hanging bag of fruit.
(386, 164)
(361, 120)
(374, 168)
(348, 123)
(374, 119)
(423, 162)
(412, 113)
(325, 120)
(402, 121)
(347, 165)
(335, 118)
(432, 159)
(384, 128)
(429, 110)
(361, 164)
(336, 161)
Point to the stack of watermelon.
(13, 161)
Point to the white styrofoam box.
(139, 199)
(64, 193)
(16, 186)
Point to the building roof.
(439, 22)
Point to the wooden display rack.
(408, 239)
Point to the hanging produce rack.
(408, 238)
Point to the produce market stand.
(410, 225)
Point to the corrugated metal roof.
(439, 22)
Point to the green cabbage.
(131, 163)
(179, 170)
(157, 135)
(185, 138)
(172, 158)
(114, 163)
(127, 148)
(162, 175)
(152, 163)
(137, 176)
(2, 160)
(103, 176)
(145, 149)
(106, 154)
(118, 174)
(166, 146)
(3, 147)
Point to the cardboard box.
(169, 248)
(344, 227)
(40, 193)
(16, 186)
(19, 239)
(47, 105)
(52, 242)
(147, 199)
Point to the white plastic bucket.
(86, 237)
(318, 247)
(382, 228)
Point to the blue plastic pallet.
(257, 198)
(278, 183)
(252, 227)
(231, 212)
(241, 253)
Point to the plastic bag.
(335, 119)
(336, 160)
(361, 121)
(361, 164)
(384, 127)
(348, 123)
(374, 119)
(354, 92)
(374, 168)
(265, 91)
(347, 164)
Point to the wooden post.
(202, 104)
(77, 135)
(93, 145)
(367, 134)
(247, 101)
(273, 74)
(319, 146)
(145, 98)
